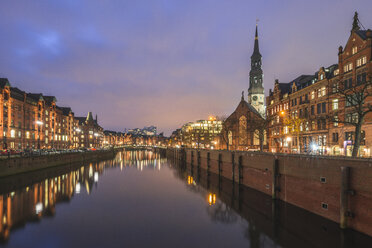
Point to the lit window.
(323, 91)
(312, 94)
(364, 60)
(334, 104)
(335, 123)
(348, 67)
(354, 50)
(359, 62)
(12, 133)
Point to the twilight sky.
(165, 62)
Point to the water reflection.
(267, 223)
(38, 200)
(189, 207)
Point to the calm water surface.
(139, 199)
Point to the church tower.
(256, 96)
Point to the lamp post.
(39, 124)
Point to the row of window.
(359, 62)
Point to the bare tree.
(227, 127)
(295, 124)
(356, 99)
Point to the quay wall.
(13, 166)
(337, 188)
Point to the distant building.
(89, 133)
(148, 131)
(199, 134)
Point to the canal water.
(139, 199)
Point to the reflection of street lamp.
(211, 199)
(39, 124)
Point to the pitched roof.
(49, 99)
(4, 82)
(303, 81)
(362, 34)
(17, 93)
(65, 110)
(245, 104)
(34, 96)
(81, 120)
(285, 87)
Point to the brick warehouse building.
(307, 114)
(35, 121)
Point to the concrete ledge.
(19, 165)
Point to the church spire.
(256, 51)
(356, 26)
(256, 95)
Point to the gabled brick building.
(34, 121)
(240, 131)
(308, 113)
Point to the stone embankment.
(13, 166)
(337, 188)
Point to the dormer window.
(321, 76)
(354, 50)
(336, 72)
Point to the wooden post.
(233, 166)
(199, 159)
(219, 164)
(275, 174)
(192, 158)
(344, 199)
(240, 169)
(208, 161)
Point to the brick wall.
(313, 183)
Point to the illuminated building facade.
(35, 121)
(200, 134)
(308, 114)
(90, 134)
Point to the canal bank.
(286, 224)
(13, 166)
(339, 189)
(139, 197)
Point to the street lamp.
(39, 124)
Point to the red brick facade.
(305, 111)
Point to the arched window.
(256, 137)
(229, 134)
(243, 130)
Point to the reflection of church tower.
(256, 96)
